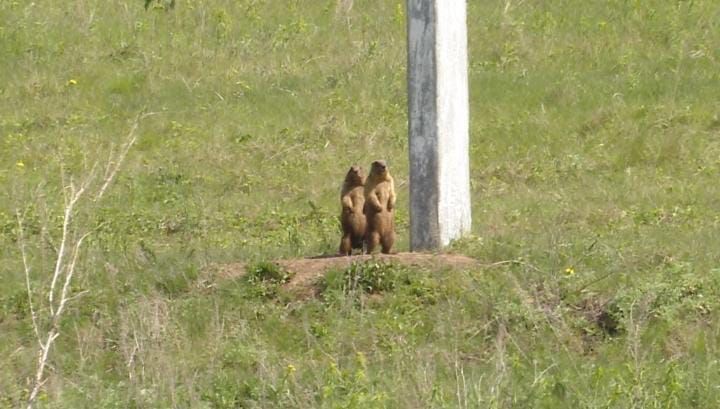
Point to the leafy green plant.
(350, 387)
(268, 272)
(265, 278)
(370, 277)
(226, 391)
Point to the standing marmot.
(379, 206)
(352, 217)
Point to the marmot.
(352, 217)
(379, 208)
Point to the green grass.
(595, 147)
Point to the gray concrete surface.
(438, 122)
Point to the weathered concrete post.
(438, 122)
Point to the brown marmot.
(352, 217)
(379, 208)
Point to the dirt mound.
(310, 269)
(307, 270)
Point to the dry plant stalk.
(46, 327)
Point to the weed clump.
(265, 278)
(371, 277)
(265, 271)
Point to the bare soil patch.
(307, 270)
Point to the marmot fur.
(379, 208)
(352, 218)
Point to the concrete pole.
(438, 116)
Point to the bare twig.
(111, 170)
(108, 166)
(70, 203)
(78, 295)
(594, 281)
(68, 255)
(68, 278)
(42, 362)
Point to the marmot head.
(355, 176)
(379, 169)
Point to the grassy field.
(595, 154)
